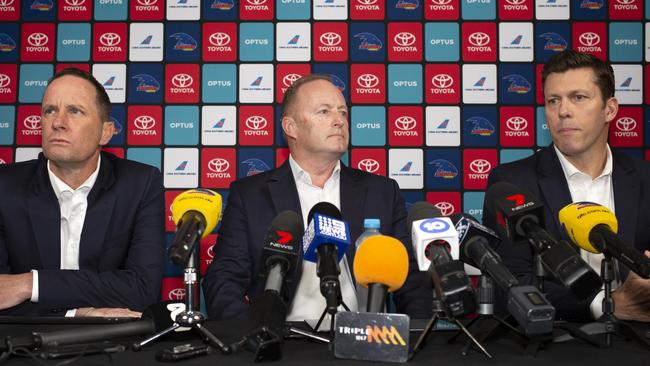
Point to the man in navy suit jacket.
(315, 124)
(579, 166)
(81, 231)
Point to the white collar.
(60, 186)
(570, 170)
(299, 174)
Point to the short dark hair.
(103, 101)
(569, 60)
(291, 94)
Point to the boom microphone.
(521, 216)
(325, 241)
(381, 264)
(594, 228)
(196, 212)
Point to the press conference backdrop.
(441, 91)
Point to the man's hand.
(14, 289)
(632, 299)
(107, 312)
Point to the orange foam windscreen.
(381, 259)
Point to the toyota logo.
(32, 122)
(441, 2)
(369, 165)
(515, 2)
(256, 2)
(4, 80)
(110, 39)
(516, 123)
(255, 122)
(176, 294)
(404, 39)
(405, 123)
(480, 166)
(589, 39)
(366, 2)
(368, 81)
(218, 165)
(289, 79)
(2, 161)
(6, 2)
(147, 2)
(37, 39)
(625, 124)
(211, 251)
(625, 2)
(442, 81)
(75, 2)
(182, 80)
(219, 39)
(479, 39)
(330, 39)
(144, 122)
(445, 208)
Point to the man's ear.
(289, 126)
(611, 109)
(108, 129)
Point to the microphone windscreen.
(381, 259)
(204, 201)
(325, 209)
(579, 218)
(287, 221)
(496, 191)
(421, 210)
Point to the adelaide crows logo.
(407, 4)
(481, 126)
(369, 42)
(554, 42)
(255, 166)
(445, 169)
(222, 4)
(518, 84)
(184, 42)
(146, 83)
(7, 44)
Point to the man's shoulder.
(19, 173)
(519, 167)
(253, 181)
(364, 176)
(629, 162)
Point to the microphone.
(325, 241)
(521, 216)
(281, 249)
(594, 228)
(526, 303)
(433, 237)
(381, 264)
(269, 311)
(196, 212)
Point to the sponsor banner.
(37, 41)
(75, 10)
(447, 202)
(628, 83)
(113, 79)
(516, 42)
(477, 165)
(368, 125)
(181, 168)
(405, 126)
(331, 41)
(33, 81)
(293, 9)
(8, 83)
(551, 38)
(625, 42)
(256, 83)
(218, 125)
(183, 9)
(219, 41)
(588, 10)
(256, 9)
(144, 125)
(6, 155)
(404, 84)
(369, 160)
(330, 9)
(109, 42)
(406, 167)
(367, 9)
(28, 125)
(473, 204)
(182, 83)
(219, 83)
(293, 42)
(111, 9)
(552, 9)
(73, 42)
(478, 9)
(9, 41)
(172, 289)
(219, 10)
(517, 126)
(7, 124)
(146, 42)
(206, 252)
(368, 83)
(443, 126)
(542, 131)
(479, 41)
(626, 129)
(404, 42)
(253, 161)
(626, 9)
(443, 169)
(590, 37)
(256, 125)
(516, 84)
(442, 83)
(287, 74)
(441, 41)
(145, 83)
(480, 126)
(10, 10)
(367, 42)
(516, 9)
(181, 125)
(441, 9)
(404, 9)
(479, 83)
(147, 9)
(218, 167)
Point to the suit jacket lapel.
(284, 193)
(45, 217)
(101, 202)
(553, 187)
(626, 192)
(353, 198)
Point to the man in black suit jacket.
(315, 125)
(580, 104)
(53, 258)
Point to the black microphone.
(325, 242)
(269, 311)
(521, 216)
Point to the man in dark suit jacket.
(580, 104)
(113, 255)
(315, 125)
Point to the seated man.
(81, 231)
(580, 166)
(315, 124)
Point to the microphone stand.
(486, 298)
(191, 317)
(440, 313)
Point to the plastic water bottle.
(371, 227)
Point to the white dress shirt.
(309, 303)
(598, 190)
(73, 204)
